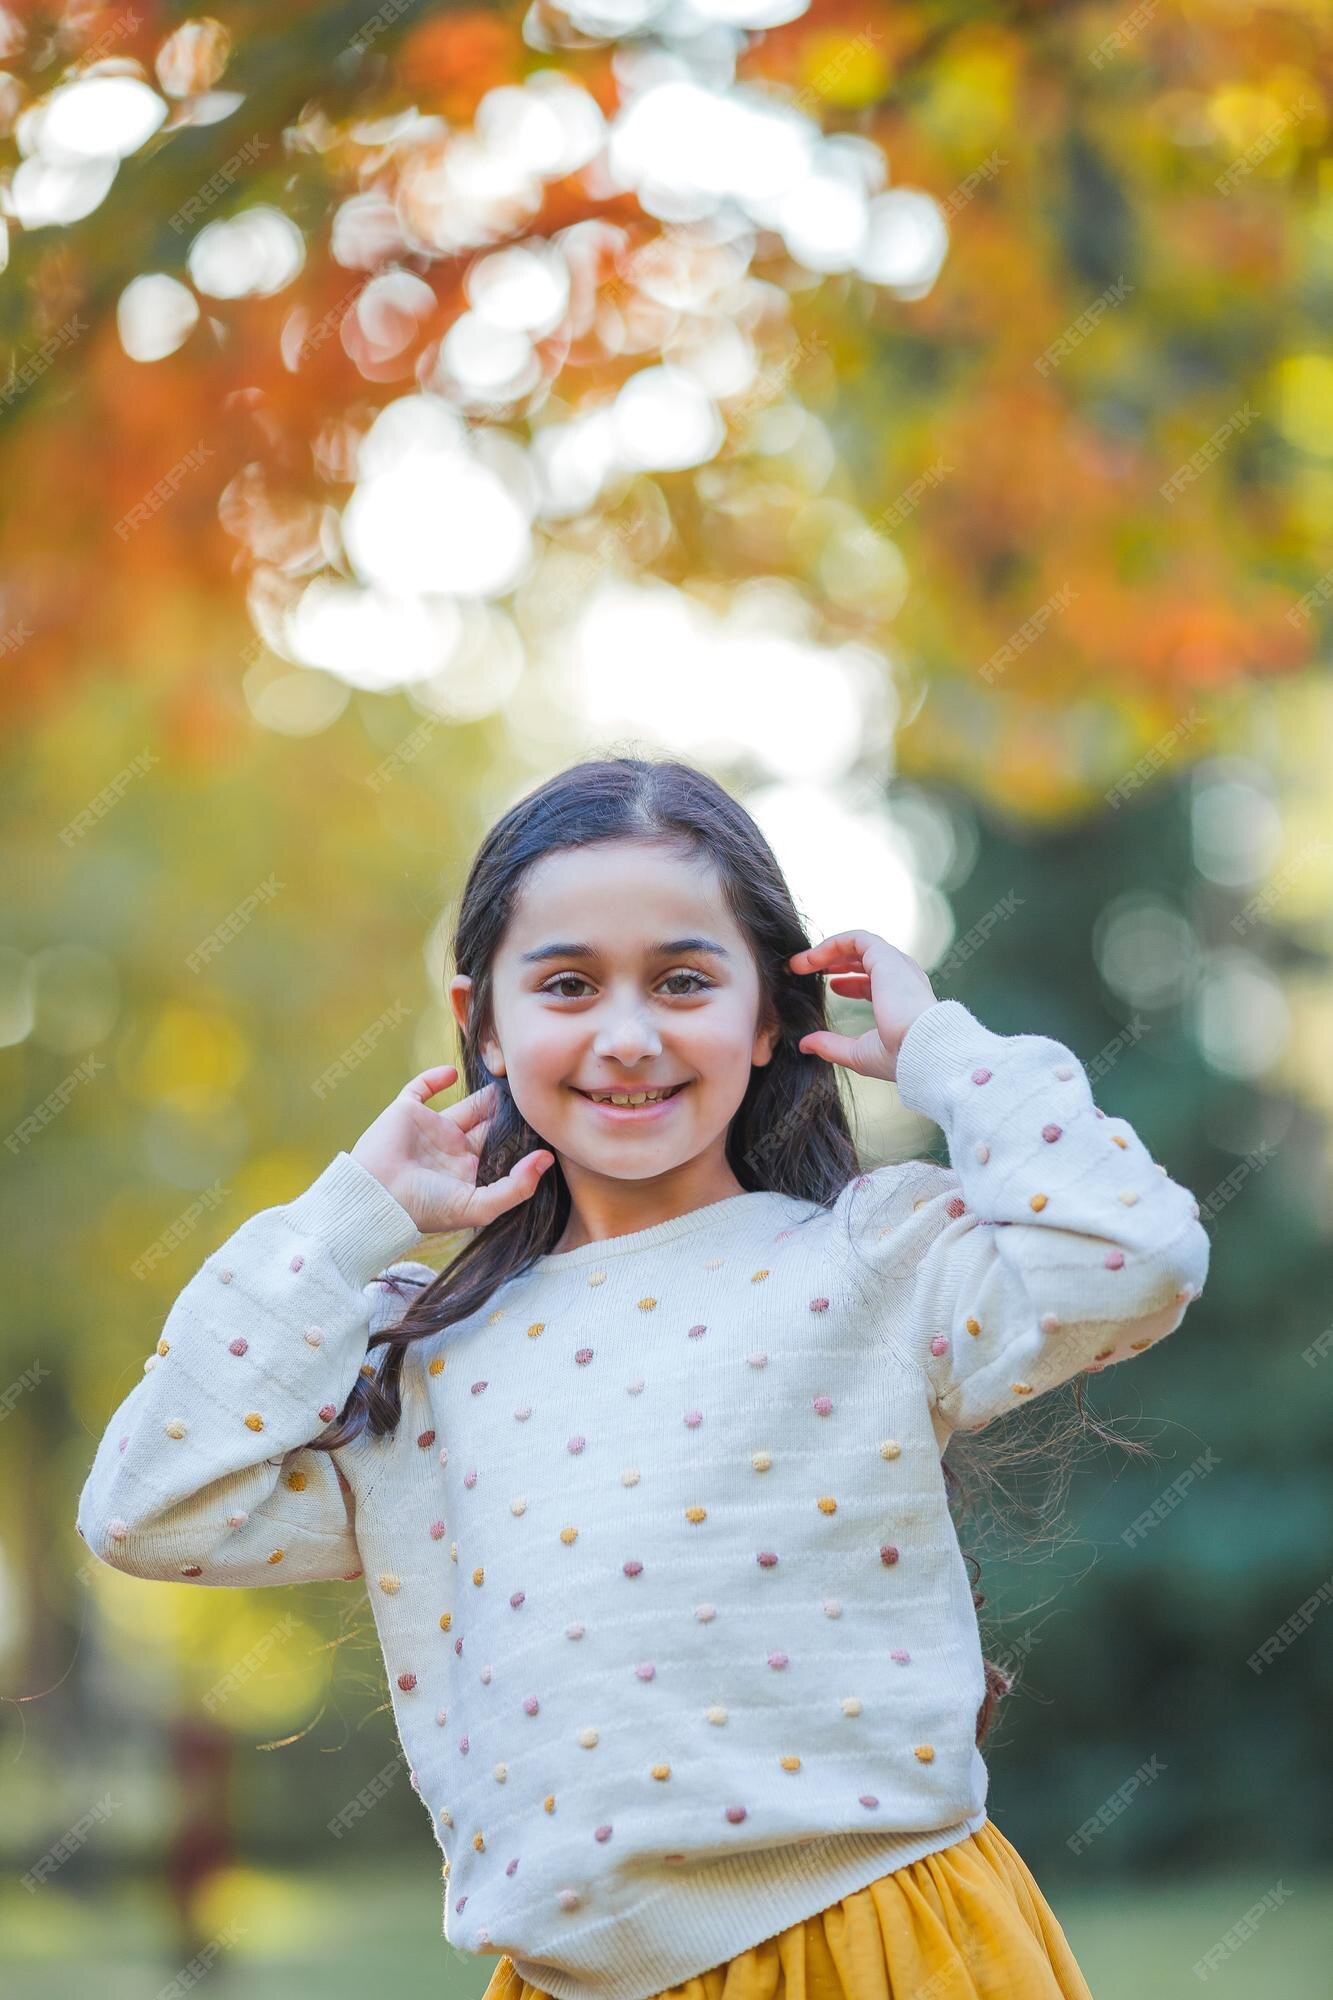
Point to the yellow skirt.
(965, 1923)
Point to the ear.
(765, 1041)
(460, 999)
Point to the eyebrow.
(668, 948)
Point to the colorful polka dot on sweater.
(727, 1518)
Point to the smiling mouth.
(631, 1099)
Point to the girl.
(646, 1485)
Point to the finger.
(430, 1082)
(833, 1048)
(846, 968)
(517, 1185)
(844, 962)
(476, 1138)
(476, 1105)
(855, 984)
(842, 945)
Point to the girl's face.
(622, 970)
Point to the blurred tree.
(1067, 385)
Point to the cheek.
(550, 1061)
(721, 1049)
(537, 1053)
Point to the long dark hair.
(790, 1133)
(794, 1095)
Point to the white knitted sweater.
(678, 1634)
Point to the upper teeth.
(630, 1097)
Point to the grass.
(290, 1936)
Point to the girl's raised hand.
(428, 1159)
(865, 966)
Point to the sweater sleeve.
(201, 1475)
(1052, 1244)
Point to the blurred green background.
(921, 416)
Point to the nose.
(628, 1036)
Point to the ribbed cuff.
(352, 1212)
(939, 1043)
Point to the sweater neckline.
(729, 1208)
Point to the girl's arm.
(1053, 1244)
(200, 1476)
